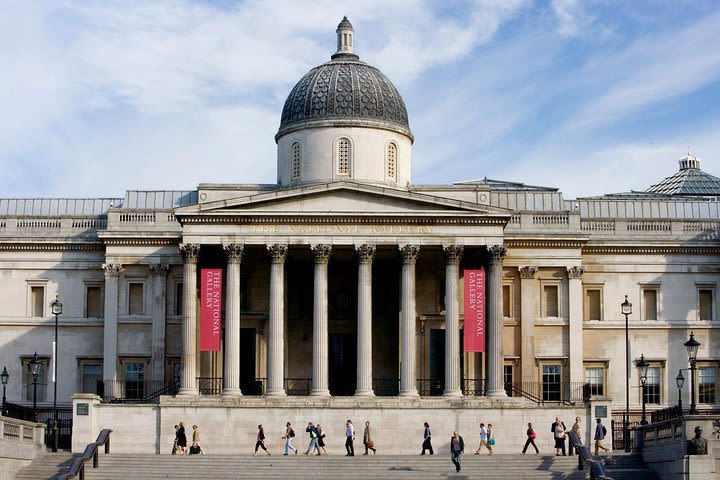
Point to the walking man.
(289, 434)
(600, 433)
(457, 447)
(349, 438)
(483, 439)
(312, 431)
(427, 445)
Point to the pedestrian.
(483, 439)
(321, 438)
(195, 448)
(552, 429)
(260, 441)
(531, 436)
(559, 434)
(491, 438)
(349, 439)
(427, 438)
(600, 433)
(182, 439)
(576, 430)
(289, 435)
(457, 447)
(175, 448)
(367, 439)
(313, 433)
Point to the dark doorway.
(437, 361)
(248, 383)
(343, 363)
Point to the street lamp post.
(642, 366)
(34, 370)
(4, 376)
(692, 348)
(56, 307)
(680, 381)
(626, 309)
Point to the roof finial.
(344, 38)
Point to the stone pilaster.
(110, 330)
(231, 373)
(408, 382)
(276, 321)
(321, 253)
(157, 355)
(188, 375)
(575, 324)
(452, 254)
(365, 254)
(495, 323)
(528, 294)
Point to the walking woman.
(182, 439)
(491, 438)
(289, 434)
(367, 440)
(321, 438)
(559, 438)
(260, 443)
(427, 440)
(531, 436)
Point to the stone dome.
(344, 92)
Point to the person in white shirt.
(350, 436)
(483, 439)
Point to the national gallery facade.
(346, 281)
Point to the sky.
(591, 97)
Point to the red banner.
(210, 309)
(474, 310)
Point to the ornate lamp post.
(626, 309)
(34, 370)
(56, 307)
(4, 376)
(642, 366)
(680, 381)
(692, 348)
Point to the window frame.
(135, 281)
(643, 309)
(295, 161)
(596, 365)
(133, 389)
(548, 394)
(43, 379)
(390, 162)
(660, 393)
(31, 304)
(707, 366)
(509, 308)
(586, 302)
(701, 287)
(85, 362)
(338, 171)
(545, 283)
(94, 284)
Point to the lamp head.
(642, 366)
(626, 307)
(35, 366)
(4, 376)
(680, 380)
(56, 306)
(692, 347)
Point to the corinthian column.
(110, 329)
(320, 321)
(276, 340)
(157, 356)
(231, 372)
(495, 323)
(575, 323)
(452, 254)
(188, 377)
(365, 255)
(408, 386)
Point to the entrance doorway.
(437, 361)
(248, 383)
(343, 364)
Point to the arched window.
(344, 156)
(296, 161)
(391, 161)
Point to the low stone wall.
(20, 442)
(229, 425)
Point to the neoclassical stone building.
(344, 282)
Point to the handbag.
(491, 441)
(533, 435)
(371, 444)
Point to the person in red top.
(530, 440)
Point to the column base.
(320, 392)
(501, 393)
(409, 393)
(232, 392)
(364, 393)
(188, 392)
(276, 393)
(452, 393)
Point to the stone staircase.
(197, 467)
(46, 465)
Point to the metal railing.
(562, 393)
(155, 390)
(298, 386)
(430, 387)
(77, 467)
(474, 386)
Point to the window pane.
(551, 301)
(507, 311)
(593, 304)
(551, 382)
(508, 379)
(653, 385)
(296, 159)
(134, 380)
(179, 298)
(594, 379)
(92, 379)
(391, 159)
(344, 156)
(37, 300)
(94, 307)
(706, 385)
(42, 380)
(649, 304)
(705, 306)
(135, 294)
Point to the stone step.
(46, 465)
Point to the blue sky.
(588, 96)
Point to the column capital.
(365, 252)
(321, 252)
(159, 270)
(452, 253)
(234, 252)
(278, 252)
(112, 269)
(409, 253)
(497, 252)
(528, 271)
(190, 252)
(576, 271)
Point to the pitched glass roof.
(690, 180)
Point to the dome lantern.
(344, 40)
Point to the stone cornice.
(414, 219)
(142, 241)
(651, 250)
(544, 243)
(51, 247)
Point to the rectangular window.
(92, 378)
(136, 299)
(37, 301)
(594, 378)
(134, 380)
(551, 382)
(41, 382)
(507, 301)
(178, 299)
(705, 304)
(649, 304)
(706, 385)
(551, 301)
(593, 304)
(508, 379)
(94, 302)
(653, 385)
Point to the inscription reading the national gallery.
(342, 229)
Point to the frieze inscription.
(331, 229)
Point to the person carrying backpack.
(313, 432)
(600, 433)
(289, 435)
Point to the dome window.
(344, 157)
(296, 161)
(391, 161)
